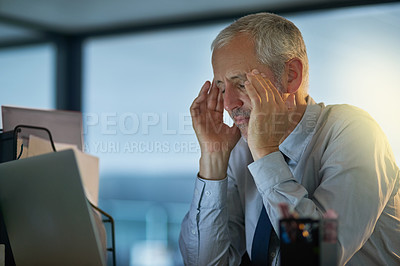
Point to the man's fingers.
(198, 104)
(261, 78)
(195, 107)
(204, 89)
(220, 102)
(252, 93)
(212, 97)
(277, 96)
(266, 85)
(260, 86)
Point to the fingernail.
(246, 82)
(255, 72)
(263, 75)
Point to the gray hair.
(276, 39)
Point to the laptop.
(47, 216)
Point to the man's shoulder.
(344, 109)
(346, 113)
(341, 118)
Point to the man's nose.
(232, 98)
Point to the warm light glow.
(354, 60)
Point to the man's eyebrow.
(239, 76)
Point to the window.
(138, 90)
(27, 76)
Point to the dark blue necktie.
(259, 249)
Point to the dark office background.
(134, 70)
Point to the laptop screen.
(48, 219)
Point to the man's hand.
(216, 139)
(269, 121)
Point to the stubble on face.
(241, 117)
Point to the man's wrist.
(213, 166)
(260, 153)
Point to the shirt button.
(208, 193)
(273, 254)
(193, 231)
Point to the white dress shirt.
(336, 158)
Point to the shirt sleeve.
(356, 174)
(206, 232)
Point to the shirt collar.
(294, 145)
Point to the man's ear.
(294, 72)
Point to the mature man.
(291, 150)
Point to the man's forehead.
(233, 64)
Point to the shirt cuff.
(210, 193)
(269, 171)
